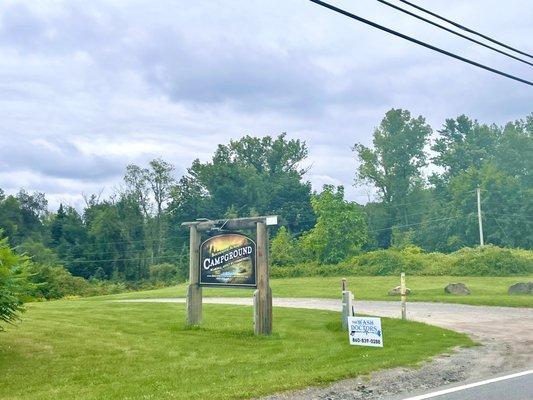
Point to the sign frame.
(228, 285)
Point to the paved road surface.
(509, 387)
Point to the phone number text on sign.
(365, 331)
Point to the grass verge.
(485, 290)
(104, 350)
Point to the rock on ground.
(457, 288)
(521, 288)
(397, 291)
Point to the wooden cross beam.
(232, 224)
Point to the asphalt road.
(509, 388)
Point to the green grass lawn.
(485, 290)
(104, 350)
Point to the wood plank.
(194, 291)
(228, 224)
(263, 309)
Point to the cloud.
(88, 87)
(58, 159)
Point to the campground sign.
(228, 260)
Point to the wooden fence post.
(194, 291)
(263, 294)
(347, 304)
(403, 294)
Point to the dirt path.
(506, 334)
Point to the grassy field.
(103, 350)
(485, 290)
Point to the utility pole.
(480, 221)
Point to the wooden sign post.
(263, 294)
(348, 309)
(194, 291)
(403, 295)
(230, 259)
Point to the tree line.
(425, 182)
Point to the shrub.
(14, 284)
(380, 262)
(55, 282)
(283, 248)
(311, 269)
(165, 273)
(100, 288)
(491, 261)
(481, 261)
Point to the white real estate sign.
(365, 331)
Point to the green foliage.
(284, 249)
(252, 174)
(119, 238)
(340, 230)
(311, 269)
(14, 284)
(165, 273)
(21, 216)
(55, 282)
(463, 144)
(484, 261)
(38, 252)
(492, 261)
(394, 164)
(443, 216)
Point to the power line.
(125, 259)
(173, 257)
(415, 224)
(419, 42)
(452, 31)
(465, 28)
(510, 214)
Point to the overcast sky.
(87, 87)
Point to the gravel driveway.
(506, 334)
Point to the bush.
(164, 273)
(14, 284)
(481, 261)
(492, 261)
(55, 282)
(100, 288)
(311, 269)
(283, 248)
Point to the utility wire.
(125, 259)
(453, 32)
(465, 28)
(419, 42)
(415, 224)
(173, 257)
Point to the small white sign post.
(365, 331)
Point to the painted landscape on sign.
(228, 260)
